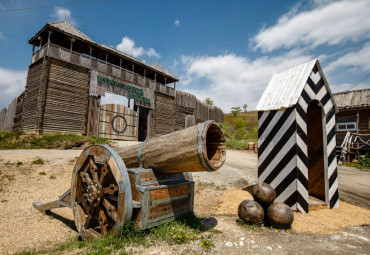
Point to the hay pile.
(319, 221)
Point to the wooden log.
(177, 152)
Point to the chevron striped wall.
(282, 143)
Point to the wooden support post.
(49, 35)
(358, 142)
(72, 41)
(174, 85)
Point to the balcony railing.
(58, 52)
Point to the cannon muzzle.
(198, 148)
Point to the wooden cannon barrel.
(198, 148)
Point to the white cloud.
(234, 80)
(177, 23)
(358, 60)
(128, 46)
(333, 23)
(2, 36)
(12, 83)
(152, 53)
(59, 14)
(348, 86)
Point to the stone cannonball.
(250, 212)
(264, 194)
(280, 215)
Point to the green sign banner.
(132, 92)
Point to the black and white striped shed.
(296, 137)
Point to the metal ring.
(139, 154)
(200, 147)
(124, 121)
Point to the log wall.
(92, 128)
(2, 117)
(66, 98)
(30, 111)
(7, 116)
(189, 111)
(17, 126)
(164, 114)
(185, 105)
(363, 124)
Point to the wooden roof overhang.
(99, 51)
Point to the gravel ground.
(22, 228)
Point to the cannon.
(149, 183)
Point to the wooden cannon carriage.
(149, 183)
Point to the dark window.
(346, 124)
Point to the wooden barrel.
(198, 148)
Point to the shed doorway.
(315, 150)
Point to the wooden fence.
(7, 116)
(201, 111)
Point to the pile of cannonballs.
(279, 215)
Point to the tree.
(235, 110)
(245, 107)
(208, 101)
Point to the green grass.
(211, 185)
(38, 161)
(184, 230)
(17, 140)
(252, 227)
(363, 163)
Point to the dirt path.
(22, 228)
(354, 186)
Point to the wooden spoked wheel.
(100, 193)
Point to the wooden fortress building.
(70, 73)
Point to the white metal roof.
(285, 88)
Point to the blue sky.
(225, 50)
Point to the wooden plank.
(157, 211)
(170, 192)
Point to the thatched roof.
(352, 99)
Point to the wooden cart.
(149, 183)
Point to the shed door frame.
(324, 147)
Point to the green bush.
(239, 123)
(365, 162)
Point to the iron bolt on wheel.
(100, 192)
